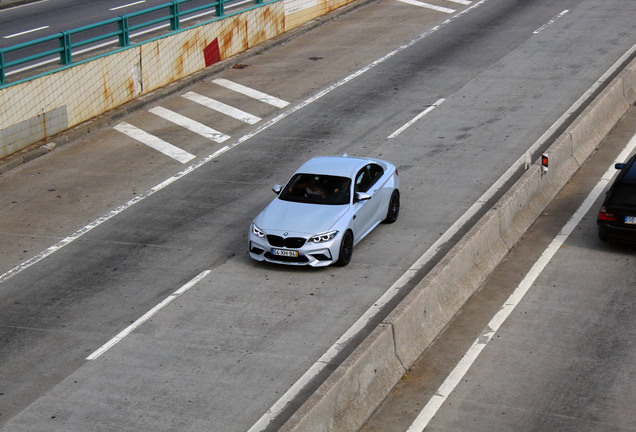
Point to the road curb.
(345, 400)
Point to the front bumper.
(309, 254)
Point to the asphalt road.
(224, 352)
(564, 358)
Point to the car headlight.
(320, 238)
(257, 231)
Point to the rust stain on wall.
(43, 115)
(268, 21)
(228, 38)
(245, 41)
(179, 67)
(188, 48)
(106, 91)
(131, 87)
(274, 25)
(190, 44)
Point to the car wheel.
(346, 249)
(603, 237)
(394, 208)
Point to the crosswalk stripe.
(190, 124)
(247, 91)
(154, 142)
(428, 6)
(222, 108)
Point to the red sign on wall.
(211, 53)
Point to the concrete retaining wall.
(358, 386)
(86, 90)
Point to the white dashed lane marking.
(428, 6)
(222, 108)
(247, 91)
(197, 127)
(25, 32)
(127, 5)
(190, 124)
(154, 142)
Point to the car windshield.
(624, 194)
(317, 189)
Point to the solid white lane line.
(416, 118)
(25, 32)
(550, 22)
(108, 345)
(154, 142)
(222, 108)
(428, 6)
(462, 2)
(247, 91)
(455, 377)
(188, 123)
(127, 5)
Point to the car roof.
(343, 166)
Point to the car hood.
(299, 218)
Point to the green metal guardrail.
(66, 44)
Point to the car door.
(365, 211)
(378, 190)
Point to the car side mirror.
(361, 196)
(277, 189)
(619, 166)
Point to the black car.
(617, 217)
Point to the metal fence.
(65, 44)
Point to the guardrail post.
(65, 45)
(2, 67)
(220, 8)
(174, 15)
(124, 32)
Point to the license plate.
(285, 253)
(630, 219)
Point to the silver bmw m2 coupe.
(328, 205)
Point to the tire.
(346, 249)
(394, 208)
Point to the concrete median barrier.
(430, 306)
(350, 395)
(359, 384)
(589, 129)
